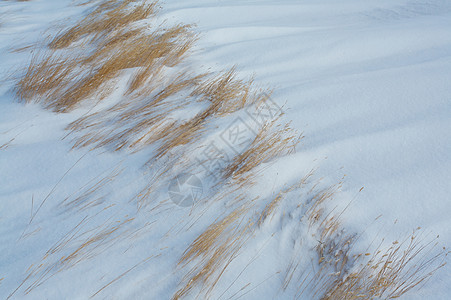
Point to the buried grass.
(168, 107)
(213, 251)
(273, 140)
(387, 273)
(384, 272)
(336, 267)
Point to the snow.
(368, 82)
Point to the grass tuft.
(213, 251)
(273, 140)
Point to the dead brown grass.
(227, 93)
(76, 246)
(110, 44)
(121, 276)
(341, 274)
(271, 207)
(389, 273)
(62, 81)
(273, 140)
(223, 95)
(383, 273)
(91, 194)
(213, 251)
(109, 16)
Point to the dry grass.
(88, 195)
(224, 94)
(120, 276)
(106, 43)
(227, 93)
(213, 251)
(109, 16)
(341, 274)
(389, 273)
(271, 207)
(146, 122)
(6, 145)
(134, 123)
(63, 79)
(273, 140)
(386, 274)
(75, 247)
(208, 257)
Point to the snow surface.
(369, 83)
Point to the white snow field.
(367, 82)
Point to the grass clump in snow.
(80, 61)
(335, 269)
(383, 272)
(212, 252)
(388, 273)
